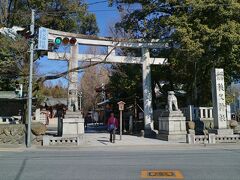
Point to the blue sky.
(105, 15)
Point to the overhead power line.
(109, 10)
(97, 2)
(55, 13)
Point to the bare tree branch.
(51, 77)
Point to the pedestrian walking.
(112, 126)
(60, 116)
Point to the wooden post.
(121, 108)
(120, 125)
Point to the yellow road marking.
(161, 174)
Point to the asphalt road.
(120, 163)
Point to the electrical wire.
(131, 9)
(97, 2)
(164, 6)
(56, 13)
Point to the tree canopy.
(199, 35)
(71, 16)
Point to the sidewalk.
(102, 139)
(12, 148)
(95, 140)
(98, 137)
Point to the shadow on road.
(23, 165)
(103, 141)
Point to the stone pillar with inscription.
(147, 93)
(218, 99)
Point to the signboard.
(43, 38)
(121, 105)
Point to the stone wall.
(12, 134)
(16, 133)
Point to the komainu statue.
(172, 100)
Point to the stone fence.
(212, 139)
(202, 113)
(202, 116)
(196, 113)
(66, 140)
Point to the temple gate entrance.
(74, 57)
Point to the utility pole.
(30, 82)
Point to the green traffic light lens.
(58, 40)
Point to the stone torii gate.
(111, 44)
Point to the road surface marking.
(161, 174)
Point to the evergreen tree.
(199, 34)
(71, 16)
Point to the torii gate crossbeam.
(145, 60)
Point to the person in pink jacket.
(112, 126)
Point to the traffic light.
(65, 41)
(19, 90)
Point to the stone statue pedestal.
(73, 124)
(172, 126)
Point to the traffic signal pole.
(30, 82)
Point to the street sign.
(121, 105)
(43, 38)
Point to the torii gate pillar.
(73, 80)
(147, 92)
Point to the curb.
(123, 147)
